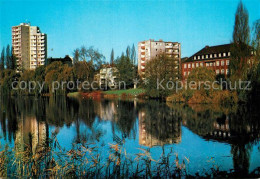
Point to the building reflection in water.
(31, 135)
(158, 127)
(239, 128)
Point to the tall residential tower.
(29, 46)
(150, 49)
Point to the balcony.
(143, 47)
(142, 53)
(142, 64)
(143, 59)
(169, 46)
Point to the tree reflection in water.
(26, 121)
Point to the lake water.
(203, 136)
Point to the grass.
(73, 94)
(136, 91)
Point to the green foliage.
(160, 70)
(2, 59)
(202, 74)
(126, 70)
(112, 57)
(6, 78)
(133, 54)
(200, 90)
(240, 50)
(13, 60)
(8, 57)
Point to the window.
(224, 54)
(185, 65)
(194, 57)
(222, 63)
(219, 54)
(198, 57)
(229, 54)
(193, 65)
(222, 71)
(217, 63)
(185, 73)
(227, 71)
(227, 62)
(210, 55)
(201, 64)
(207, 56)
(207, 64)
(211, 64)
(189, 65)
(197, 64)
(202, 56)
(188, 73)
(217, 72)
(215, 55)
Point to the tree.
(160, 70)
(13, 60)
(8, 57)
(76, 55)
(133, 55)
(128, 51)
(112, 57)
(52, 72)
(90, 55)
(125, 68)
(84, 71)
(240, 46)
(2, 59)
(256, 38)
(241, 33)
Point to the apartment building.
(108, 77)
(29, 46)
(150, 49)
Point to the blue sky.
(117, 23)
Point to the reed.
(50, 160)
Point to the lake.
(196, 139)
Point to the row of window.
(211, 56)
(217, 63)
(222, 71)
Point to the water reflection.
(31, 135)
(237, 127)
(158, 125)
(26, 123)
